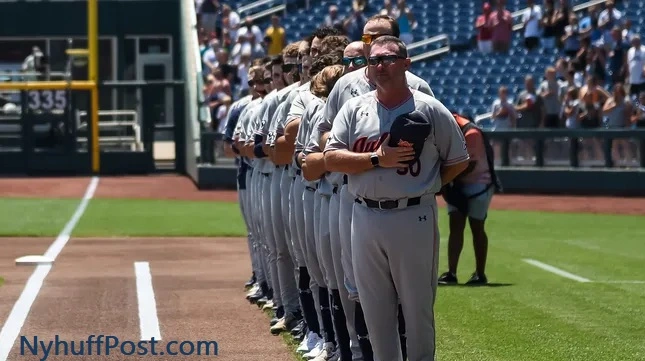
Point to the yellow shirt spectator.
(276, 33)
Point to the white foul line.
(148, 321)
(20, 310)
(556, 271)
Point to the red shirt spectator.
(502, 25)
(484, 30)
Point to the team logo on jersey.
(364, 113)
(354, 92)
(361, 145)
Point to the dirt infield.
(181, 188)
(92, 290)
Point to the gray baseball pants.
(390, 250)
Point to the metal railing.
(431, 53)
(253, 5)
(518, 14)
(269, 12)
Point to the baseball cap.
(410, 128)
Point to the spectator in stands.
(636, 66)
(276, 33)
(617, 57)
(503, 112)
(531, 21)
(208, 15)
(548, 25)
(571, 109)
(333, 20)
(404, 16)
(243, 69)
(502, 27)
(571, 37)
(589, 24)
(484, 30)
(617, 111)
(592, 96)
(550, 91)
(596, 64)
(353, 24)
(230, 20)
(627, 31)
(209, 59)
(638, 114)
(607, 19)
(248, 27)
(529, 106)
(247, 44)
(561, 20)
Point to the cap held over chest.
(410, 129)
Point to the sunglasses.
(368, 38)
(288, 68)
(384, 59)
(267, 80)
(357, 60)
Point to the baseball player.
(352, 60)
(468, 197)
(282, 145)
(349, 86)
(266, 170)
(312, 204)
(287, 299)
(398, 146)
(285, 147)
(230, 124)
(241, 137)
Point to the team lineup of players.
(334, 204)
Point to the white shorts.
(478, 206)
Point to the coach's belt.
(266, 174)
(389, 204)
(335, 190)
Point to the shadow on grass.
(491, 284)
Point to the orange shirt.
(477, 151)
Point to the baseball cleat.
(252, 291)
(308, 343)
(256, 296)
(267, 306)
(274, 321)
(448, 279)
(262, 301)
(477, 280)
(299, 328)
(251, 281)
(316, 350)
(286, 324)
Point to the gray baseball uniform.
(284, 264)
(311, 202)
(304, 192)
(393, 257)
(349, 86)
(242, 133)
(267, 110)
(325, 190)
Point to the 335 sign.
(46, 100)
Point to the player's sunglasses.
(357, 60)
(368, 38)
(384, 59)
(288, 68)
(252, 82)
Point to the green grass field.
(526, 314)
